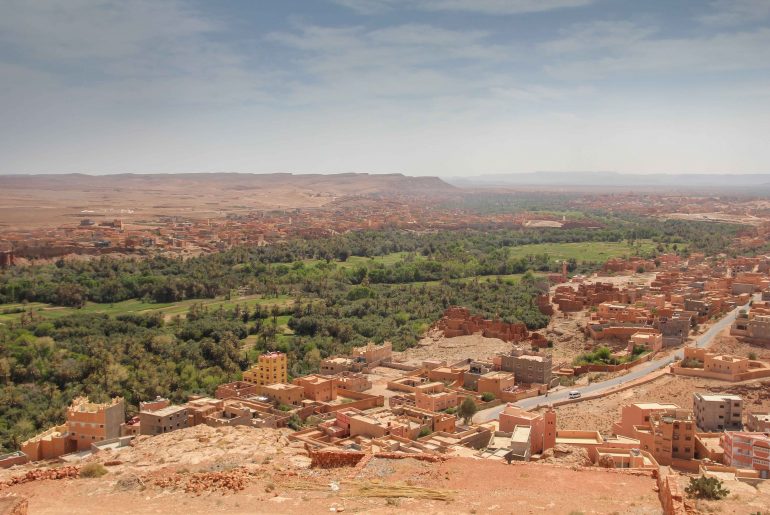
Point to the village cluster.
(351, 408)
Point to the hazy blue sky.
(423, 87)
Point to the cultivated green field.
(138, 306)
(588, 251)
(356, 261)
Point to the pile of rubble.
(223, 482)
(566, 455)
(43, 474)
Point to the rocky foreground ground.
(243, 470)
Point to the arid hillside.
(244, 470)
(48, 200)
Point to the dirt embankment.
(243, 470)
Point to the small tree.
(752, 355)
(487, 396)
(294, 422)
(706, 488)
(467, 409)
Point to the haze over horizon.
(422, 87)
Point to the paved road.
(703, 340)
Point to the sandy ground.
(435, 346)
(565, 330)
(379, 378)
(726, 344)
(52, 200)
(279, 481)
(600, 414)
(742, 499)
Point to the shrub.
(487, 396)
(706, 488)
(294, 422)
(93, 470)
(752, 355)
(467, 409)
(692, 363)
(424, 432)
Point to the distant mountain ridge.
(337, 184)
(615, 179)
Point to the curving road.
(642, 370)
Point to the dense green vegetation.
(603, 356)
(45, 362)
(162, 326)
(388, 257)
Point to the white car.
(574, 394)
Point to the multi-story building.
(87, 423)
(528, 368)
(162, 420)
(673, 435)
(633, 416)
(718, 412)
(271, 368)
(747, 451)
(542, 426)
(665, 430)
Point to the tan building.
(665, 430)
(495, 382)
(673, 436)
(283, 393)
(162, 420)
(87, 423)
(271, 368)
(49, 444)
(317, 387)
(725, 364)
(542, 434)
(528, 368)
(650, 341)
(332, 366)
(434, 397)
(237, 389)
(373, 354)
(718, 412)
(352, 381)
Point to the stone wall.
(458, 321)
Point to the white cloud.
(345, 64)
(598, 35)
(736, 12)
(599, 50)
(491, 7)
(116, 50)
